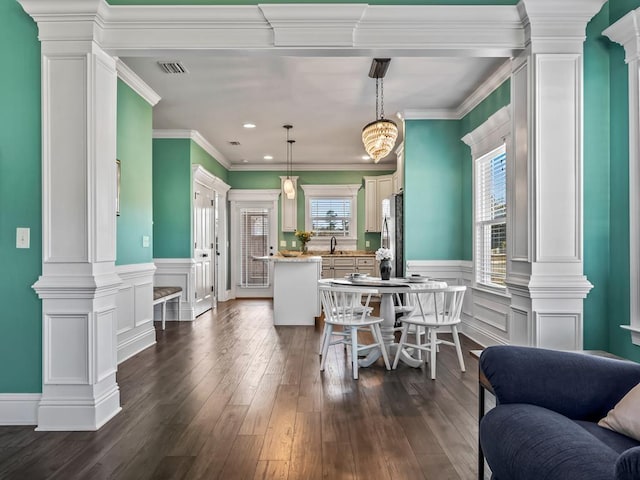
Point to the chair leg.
(322, 340)
(456, 341)
(325, 344)
(433, 350)
(403, 339)
(354, 351)
(377, 335)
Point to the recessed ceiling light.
(366, 157)
(399, 115)
(245, 161)
(268, 157)
(249, 125)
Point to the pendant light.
(288, 187)
(379, 137)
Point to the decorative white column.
(546, 278)
(78, 285)
(626, 32)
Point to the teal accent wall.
(200, 156)
(271, 179)
(596, 183)
(433, 190)
(134, 152)
(20, 202)
(172, 198)
(500, 97)
(618, 301)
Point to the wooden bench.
(163, 295)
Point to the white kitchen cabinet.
(375, 190)
(341, 265)
(289, 207)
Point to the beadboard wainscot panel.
(177, 272)
(135, 330)
(19, 408)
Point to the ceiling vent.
(235, 143)
(174, 68)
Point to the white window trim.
(626, 32)
(491, 135)
(332, 191)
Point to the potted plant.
(304, 238)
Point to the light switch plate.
(293, 243)
(145, 241)
(367, 243)
(283, 243)
(22, 237)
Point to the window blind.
(491, 216)
(331, 216)
(254, 241)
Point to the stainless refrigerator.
(392, 231)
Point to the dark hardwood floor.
(230, 396)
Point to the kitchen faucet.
(333, 243)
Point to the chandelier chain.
(382, 98)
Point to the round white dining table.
(386, 289)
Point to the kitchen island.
(295, 289)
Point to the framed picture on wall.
(118, 187)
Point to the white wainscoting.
(485, 315)
(19, 408)
(135, 330)
(177, 272)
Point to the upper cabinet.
(375, 190)
(398, 175)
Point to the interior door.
(256, 235)
(203, 247)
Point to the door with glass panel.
(256, 243)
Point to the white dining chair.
(435, 308)
(348, 308)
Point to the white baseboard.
(482, 337)
(19, 408)
(140, 341)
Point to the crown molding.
(123, 30)
(138, 85)
(497, 78)
(199, 139)
(626, 32)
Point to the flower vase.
(385, 269)
(303, 248)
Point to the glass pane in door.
(254, 247)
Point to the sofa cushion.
(624, 418)
(614, 440)
(527, 442)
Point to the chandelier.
(379, 136)
(288, 187)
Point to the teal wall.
(433, 190)
(271, 179)
(619, 341)
(134, 152)
(499, 98)
(171, 198)
(200, 156)
(596, 183)
(20, 202)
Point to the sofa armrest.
(579, 386)
(628, 465)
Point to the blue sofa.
(548, 403)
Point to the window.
(491, 218)
(331, 216)
(331, 211)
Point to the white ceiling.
(327, 100)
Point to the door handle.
(205, 254)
